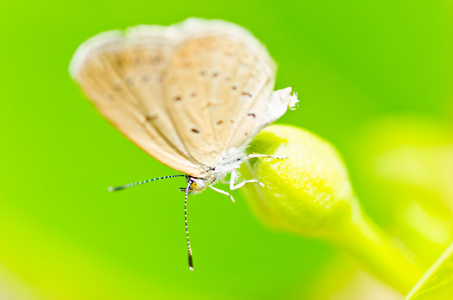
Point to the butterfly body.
(230, 163)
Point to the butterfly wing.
(186, 94)
(218, 88)
(122, 75)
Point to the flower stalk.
(310, 194)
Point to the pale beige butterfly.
(192, 95)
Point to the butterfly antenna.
(117, 188)
(187, 229)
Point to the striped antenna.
(117, 188)
(189, 182)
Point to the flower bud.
(307, 191)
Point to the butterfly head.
(197, 185)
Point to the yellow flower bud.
(308, 192)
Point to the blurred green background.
(63, 236)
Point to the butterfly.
(192, 95)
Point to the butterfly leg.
(222, 192)
(234, 174)
(224, 181)
(250, 156)
(234, 187)
(233, 179)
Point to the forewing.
(262, 113)
(188, 94)
(123, 77)
(218, 89)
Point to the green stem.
(372, 247)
